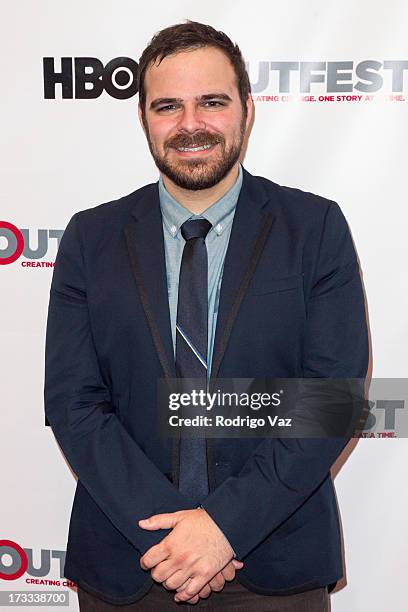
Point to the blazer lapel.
(145, 243)
(250, 229)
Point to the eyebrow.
(211, 96)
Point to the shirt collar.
(220, 214)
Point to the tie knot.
(195, 228)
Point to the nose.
(191, 119)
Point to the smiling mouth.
(194, 149)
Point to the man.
(211, 272)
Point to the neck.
(198, 201)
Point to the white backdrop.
(63, 155)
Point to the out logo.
(22, 561)
(19, 561)
(15, 242)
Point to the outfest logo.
(328, 81)
(16, 561)
(19, 242)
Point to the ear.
(250, 110)
(139, 112)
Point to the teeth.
(194, 148)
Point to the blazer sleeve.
(282, 473)
(121, 479)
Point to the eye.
(167, 107)
(213, 103)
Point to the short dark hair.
(188, 36)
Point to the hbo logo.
(87, 77)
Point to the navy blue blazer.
(291, 305)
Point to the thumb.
(159, 521)
(238, 564)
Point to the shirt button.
(173, 229)
(219, 227)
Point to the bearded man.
(208, 273)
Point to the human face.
(192, 101)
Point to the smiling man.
(195, 140)
(209, 272)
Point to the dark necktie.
(191, 348)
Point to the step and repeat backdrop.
(330, 85)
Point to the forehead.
(191, 73)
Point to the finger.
(205, 592)
(159, 521)
(217, 583)
(183, 586)
(178, 575)
(177, 581)
(156, 554)
(165, 571)
(193, 587)
(228, 572)
(193, 600)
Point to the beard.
(196, 174)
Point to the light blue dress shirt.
(220, 215)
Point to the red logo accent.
(23, 557)
(20, 243)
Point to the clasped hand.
(194, 559)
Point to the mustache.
(199, 139)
